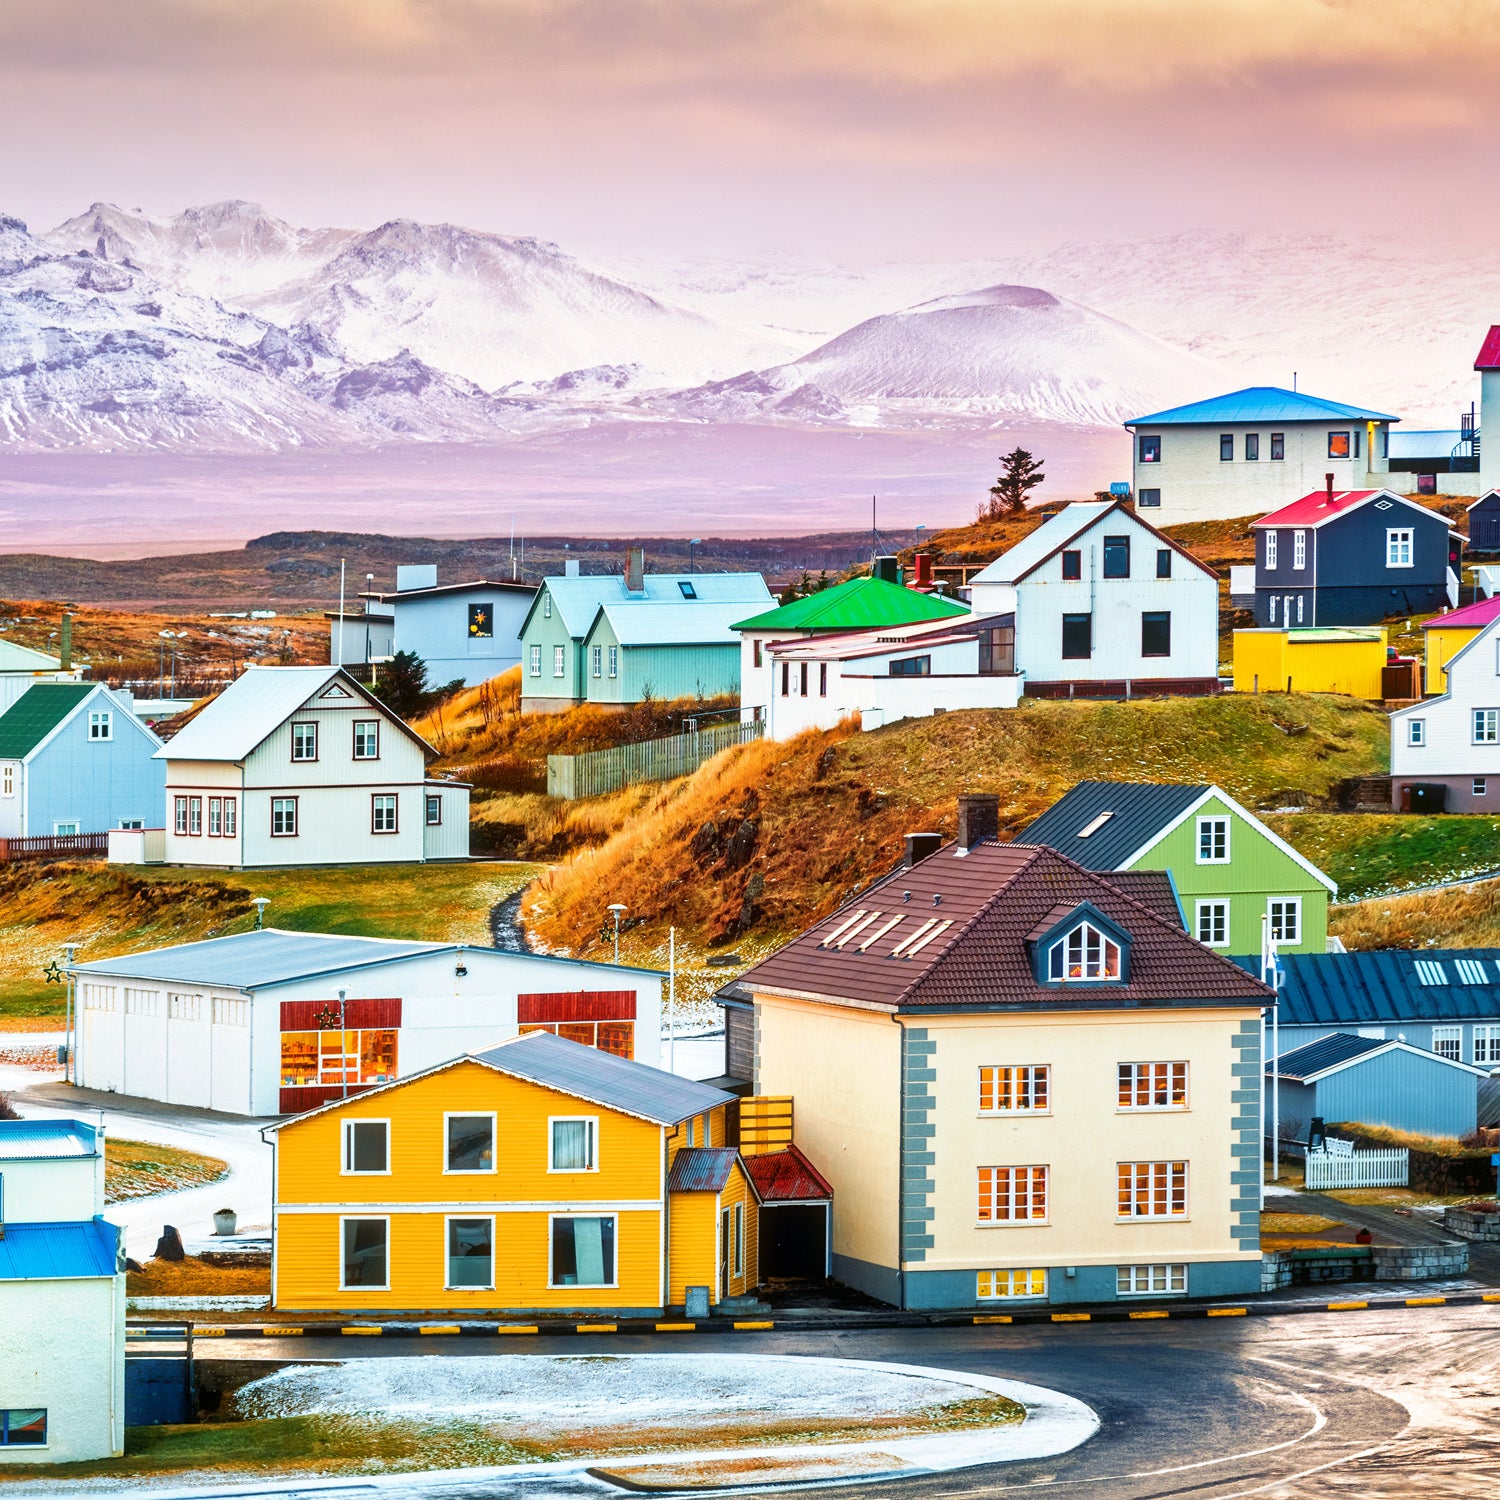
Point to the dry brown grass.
(197, 1278)
(138, 1169)
(1460, 917)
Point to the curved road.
(1373, 1405)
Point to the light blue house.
(74, 759)
(463, 631)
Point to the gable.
(1470, 668)
(41, 712)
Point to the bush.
(6, 1110)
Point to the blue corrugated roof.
(1327, 1052)
(1377, 988)
(60, 1251)
(46, 1140)
(701, 1169)
(1137, 812)
(1260, 403)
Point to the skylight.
(1429, 972)
(688, 591)
(1092, 828)
(1470, 971)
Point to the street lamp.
(619, 909)
(697, 541)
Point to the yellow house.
(541, 1176)
(1320, 659)
(1444, 636)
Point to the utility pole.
(338, 658)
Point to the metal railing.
(599, 772)
(1383, 1168)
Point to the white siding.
(40, 1192)
(1448, 747)
(203, 779)
(450, 838)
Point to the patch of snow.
(196, 1304)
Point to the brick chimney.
(978, 819)
(635, 570)
(1328, 481)
(920, 845)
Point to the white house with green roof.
(20, 666)
(74, 759)
(858, 606)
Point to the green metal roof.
(860, 604)
(36, 713)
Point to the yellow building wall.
(1265, 659)
(737, 1193)
(693, 1245)
(708, 1129)
(1441, 647)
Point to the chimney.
(887, 569)
(920, 845)
(1328, 480)
(635, 570)
(65, 642)
(922, 576)
(978, 819)
(570, 568)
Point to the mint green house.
(1235, 880)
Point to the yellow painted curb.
(1490, 1297)
(1227, 1312)
(366, 1332)
(675, 1327)
(994, 1318)
(1346, 1306)
(1072, 1317)
(439, 1328)
(1151, 1315)
(270, 1332)
(208, 1333)
(598, 1327)
(517, 1328)
(1425, 1301)
(755, 1325)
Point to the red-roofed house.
(1353, 557)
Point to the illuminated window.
(1151, 1190)
(1153, 1085)
(1148, 1281)
(1012, 1195)
(1014, 1090)
(1084, 954)
(996, 1285)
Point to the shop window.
(312, 1058)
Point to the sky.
(857, 129)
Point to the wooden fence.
(1329, 1169)
(599, 772)
(57, 846)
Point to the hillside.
(1462, 917)
(1373, 855)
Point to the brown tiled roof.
(1151, 888)
(952, 931)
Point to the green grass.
(1376, 854)
(134, 1169)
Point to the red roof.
(1489, 351)
(1471, 616)
(1314, 509)
(787, 1177)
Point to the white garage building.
(271, 1022)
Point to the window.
(1012, 1195)
(365, 1263)
(1072, 565)
(1448, 1041)
(1151, 1190)
(1299, 549)
(1153, 1085)
(1163, 562)
(1338, 445)
(312, 1059)
(132, 823)
(912, 666)
(66, 828)
(1149, 449)
(1299, 609)
(993, 1286)
(596, 660)
(1226, 447)
(383, 813)
(469, 1143)
(583, 1251)
(546, 606)
(755, 647)
(688, 591)
(1273, 609)
(802, 679)
(1429, 972)
(1356, 442)
(101, 724)
(573, 1145)
(737, 1242)
(1148, 1281)
(997, 650)
(1213, 841)
(1084, 954)
(823, 679)
(1156, 633)
(1148, 499)
(481, 621)
(1286, 918)
(367, 1147)
(1486, 726)
(1479, 786)
(283, 817)
(179, 816)
(7, 781)
(1252, 447)
(1213, 924)
(23, 1427)
(1270, 551)
(1077, 637)
(1020, 1090)
(367, 739)
(614, 661)
(471, 1253)
(1471, 971)
(231, 818)
(559, 661)
(304, 741)
(1398, 548)
(195, 816)
(1487, 1044)
(215, 817)
(535, 661)
(786, 678)
(1278, 447)
(1117, 557)
(434, 810)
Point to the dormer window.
(1083, 954)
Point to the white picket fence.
(1346, 1169)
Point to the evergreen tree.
(403, 684)
(1020, 473)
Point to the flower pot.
(225, 1220)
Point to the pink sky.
(863, 129)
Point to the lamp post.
(697, 541)
(343, 1043)
(70, 1070)
(618, 908)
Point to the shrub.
(7, 1112)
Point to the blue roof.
(1385, 987)
(1122, 816)
(1260, 403)
(1327, 1052)
(46, 1140)
(59, 1251)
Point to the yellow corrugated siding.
(1442, 646)
(693, 1245)
(711, 1129)
(1265, 659)
(737, 1193)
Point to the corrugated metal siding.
(677, 672)
(448, 839)
(97, 783)
(1404, 1092)
(576, 1005)
(312, 1015)
(1264, 660)
(692, 1250)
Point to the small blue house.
(1353, 557)
(466, 632)
(1360, 1079)
(75, 759)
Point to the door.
(726, 1232)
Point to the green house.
(1234, 878)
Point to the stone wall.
(1471, 1226)
(1420, 1262)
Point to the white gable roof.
(1490, 633)
(578, 600)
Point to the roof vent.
(937, 900)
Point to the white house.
(1453, 741)
(1253, 451)
(899, 672)
(62, 1298)
(303, 766)
(270, 1022)
(20, 666)
(1104, 605)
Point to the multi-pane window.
(1448, 1041)
(1398, 549)
(1117, 557)
(1213, 841)
(573, 1145)
(1270, 549)
(367, 1146)
(1226, 447)
(195, 816)
(614, 661)
(215, 817)
(1479, 786)
(596, 661)
(1416, 731)
(383, 812)
(1486, 726)
(469, 1144)
(1153, 1085)
(1156, 632)
(1278, 446)
(559, 661)
(1286, 918)
(231, 818)
(180, 816)
(471, 1253)
(283, 817)
(1487, 1044)
(1299, 549)
(1012, 1195)
(1148, 1281)
(367, 739)
(994, 1286)
(1213, 923)
(1151, 1189)
(909, 666)
(583, 1250)
(1077, 637)
(365, 1259)
(534, 658)
(1252, 447)
(305, 741)
(7, 781)
(1015, 1090)
(23, 1427)
(1084, 954)
(101, 724)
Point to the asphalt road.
(1366, 1404)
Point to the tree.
(403, 684)
(1020, 473)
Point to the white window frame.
(365, 1286)
(1091, 974)
(101, 725)
(1452, 1037)
(1270, 552)
(180, 816)
(289, 826)
(1007, 1277)
(535, 660)
(382, 803)
(1299, 549)
(1152, 1075)
(596, 661)
(1172, 1273)
(592, 1121)
(559, 661)
(65, 828)
(1400, 547)
(8, 780)
(195, 817)
(1023, 1084)
(1151, 1216)
(304, 725)
(1485, 726)
(1479, 786)
(433, 802)
(1487, 1045)
(1416, 733)
(373, 726)
(346, 1144)
(231, 818)
(215, 817)
(1208, 824)
(1218, 912)
(1012, 1221)
(1288, 903)
(546, 606)
(614, 661)
(448, 1285)
(473, 1114)
(577, 1286)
